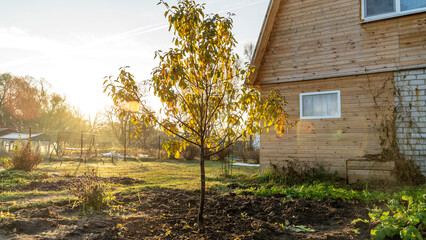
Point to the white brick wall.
(411, 85)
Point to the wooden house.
(354, 75)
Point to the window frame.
(397, 12)
(339, 110)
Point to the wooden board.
(355, 175)
(332, 41)
(370, 165)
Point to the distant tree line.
(26, 102)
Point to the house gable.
(264, 35)
(316, 39)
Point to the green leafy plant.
(24, 158)
(319, 191)
(406, 219)
(296, 228)
(322, 191)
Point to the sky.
(74, 44)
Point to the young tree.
(205, 102)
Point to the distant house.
(8, 139)
(4, 131)
(344, 67)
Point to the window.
(320, 105)
(381, 9)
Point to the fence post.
(125, 138)
(129, 142)
(58, 141)
(94, 146)
(81, 147)
(159, 147)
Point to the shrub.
(24, 158)
(253, 154)
(294, 174)
(190, 152)
(407, 172)
(91, 192)
(223, 154)
(152, 152)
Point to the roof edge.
(265, 33)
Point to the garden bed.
(171, 214)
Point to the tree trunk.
(203, 189)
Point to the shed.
(40, 141)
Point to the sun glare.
(132, 106)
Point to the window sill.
(392, 15)
(327, 117)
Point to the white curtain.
(320, 105)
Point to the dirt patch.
(171, 214)
(122, 180)
(64, 183)
(55, 222)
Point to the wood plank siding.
(364, 169)
(314, 38)
(330, 142)
(321, 45)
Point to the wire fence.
(85, 146)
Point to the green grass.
(15, 178)
(161, 173)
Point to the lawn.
(161, 173)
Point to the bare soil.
(66, 182)
(171, 214)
